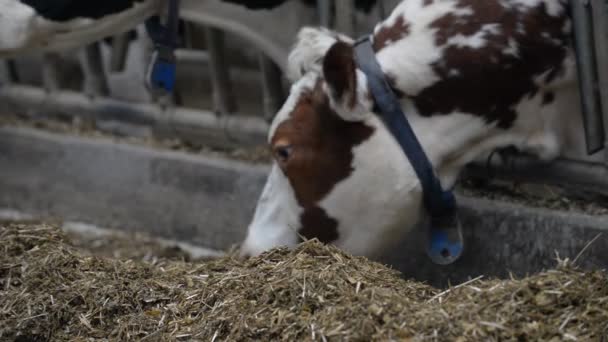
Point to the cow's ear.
(340, 72)
(346, 85)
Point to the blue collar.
(445, 236)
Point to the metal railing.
(221, 124)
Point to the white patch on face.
(379, 201)
(277, 216)
(305, 84)
(311, 46)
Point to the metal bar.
(192, 56)
(345, 17)
(324, 12)
(382, 10)
(95, 82)
(600, 22)
(575, 175)
(120, 48)
(8, 72)
(587, 72)
(271, 86)
(5, 78)
(178, 122)
(50, 74)
(13, 71)
(223, 97)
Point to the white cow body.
(472, 77)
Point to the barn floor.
(61, 286)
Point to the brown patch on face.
(322, 154)
(488, 81)
(317, 224)
(427, 2)
(393, 33)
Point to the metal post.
(223, 97)
(324, 12)
(95, 82)
(197, 125)
(345, 17)
(8, 72)
(50, 74)
(120, 48)
(600, 22)
(382, 10)
(13, 72)
(271, 86)
(587, 72)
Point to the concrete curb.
(208, 201)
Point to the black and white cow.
(472, 76)
(36, 25)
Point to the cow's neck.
(453, 140)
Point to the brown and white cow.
(472, 76)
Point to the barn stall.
(85, 144)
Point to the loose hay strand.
(51, 289)
(585, 248)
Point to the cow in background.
(36, 25)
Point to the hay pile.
(50, 290)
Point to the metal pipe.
(120, 48)
(271, 86)
(345, 17)
(587, 72)
(5, 78)
(199, 125)
(576, 175)
(600, 29)
(8, 72)
(95, 82)
(205, 13)
(13, 71)
(50, 74)
(192, 56)
(324, 12)
(223, 97)
(382, 10)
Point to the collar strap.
(439, 204)
(161, 73)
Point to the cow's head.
(337, 174)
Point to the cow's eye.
(283, 153)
